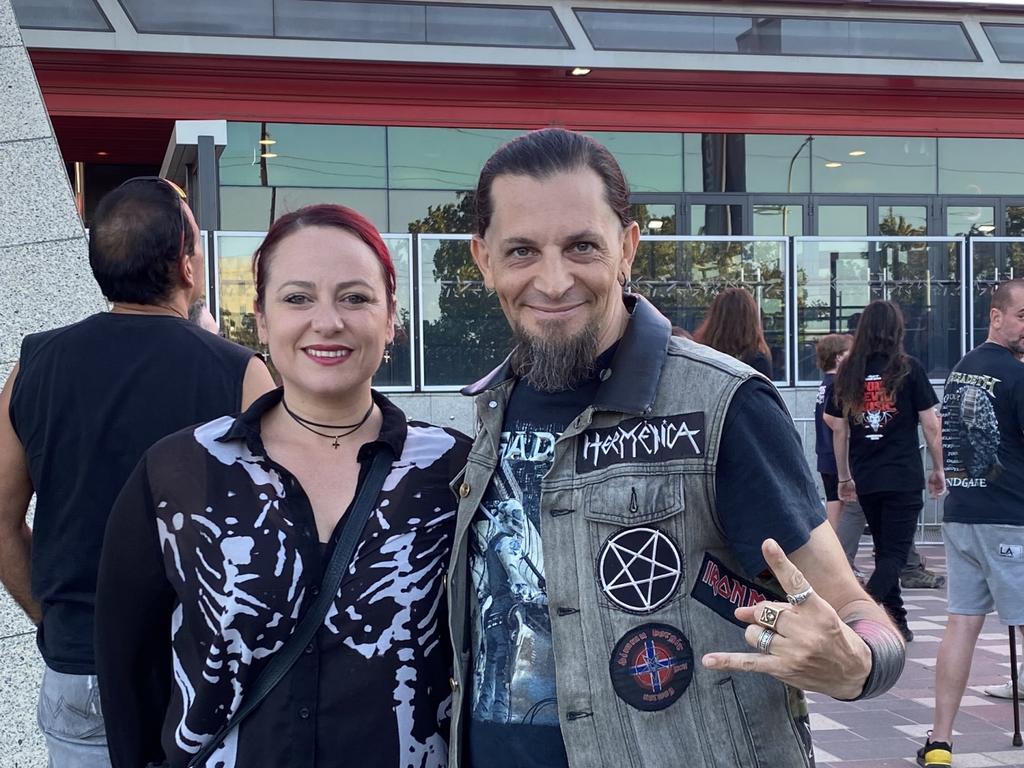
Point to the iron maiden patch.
(641, 441)
(723, 591)
(639, 569)
(651, 666)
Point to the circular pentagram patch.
(651, 666)
(639, 569)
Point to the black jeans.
(892, 517)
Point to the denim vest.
(641, 458)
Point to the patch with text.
(643, 441)
(651, 666)
(723, 591)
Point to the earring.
(387, 354)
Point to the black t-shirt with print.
(884, 452)
(823, 445)
(983, 438)
(512, 714)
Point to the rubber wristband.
(888, 655)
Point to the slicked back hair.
(544, 153)
(138, 236)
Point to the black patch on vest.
(641, 441)
(639, 569)
(651, 666)
(723, 591)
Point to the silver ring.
(800, 597)
(764, 640)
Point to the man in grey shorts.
(983, 451)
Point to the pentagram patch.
(639, 569)
(651, 666)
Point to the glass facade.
(814, 226)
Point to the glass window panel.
(681, 278)
(655, 218)
(962, 220)
(240, 162)
(791, 36)
(780, 220)
(693, 165)
(252, 18)
(883, 165)
(1015, 220)
(469, 25)
(237, 291)
(1007, 41)
(464, 330)
(448, 213)
(380, 22)
(372, 203)
(441, 158)
(993, 263)
(60, 14)
(652, 162)
(981, 166)
(778, 163)
(716, 219)
(902, 220)
(327, 155)
(245, 209)
(842, 220)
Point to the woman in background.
(733, 326)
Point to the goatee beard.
(555, 364)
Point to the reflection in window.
(981, 166)
(438, 212)
(654, 218)
(464, 330)
(902, 220)
(60, 14)
(252, 18)
(682, 277)
(651, 162)
(842, 220)
(970, 220)
(837, 279)
(716, 219)
(1007, 41)
(778, 220)
(441, 158)
(483, 25)
(237, 290)
(245, 209)
(778, 163)
(253, 209)
(873, 164)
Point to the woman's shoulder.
(426, 439)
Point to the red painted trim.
(164, 86)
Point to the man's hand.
(848, 491)
(936, 483)
(812, 648)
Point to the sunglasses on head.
(182, 195)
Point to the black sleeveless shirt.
(89, 399)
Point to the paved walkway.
(886, 732)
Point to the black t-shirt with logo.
(983, 438)
(512, 713)
(884, 452)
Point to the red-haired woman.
(217, 545)
(733, 326)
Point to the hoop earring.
(627, 284)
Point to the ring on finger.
(800, 597)
(768, 616)
(764, 640)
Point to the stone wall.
(44, 282)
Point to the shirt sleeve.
(134, 601)
(921, 388)
(831, 407)
(763, 485)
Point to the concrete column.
(44, 282)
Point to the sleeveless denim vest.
(639, 465)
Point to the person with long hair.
(733, 326)
(881, 394)
(321, 513)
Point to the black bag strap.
(282, 661)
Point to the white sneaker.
(1005, 690)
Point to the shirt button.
(314, 591)
(309, 648)
(453, 683)
(304, 713)
(464, 490)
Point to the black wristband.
(888, 655)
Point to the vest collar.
(630, 384)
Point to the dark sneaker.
(904, 630)
(921, 578)
(935, 754)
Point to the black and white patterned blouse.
(210, 558)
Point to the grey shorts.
(985, 564)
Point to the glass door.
(779, 215)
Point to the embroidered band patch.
(641, 441)
(639, 569)
(723, 591)
(651, 666)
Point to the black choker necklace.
(307, 424)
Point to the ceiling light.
(858, 153)
(987, 229)
(833, 164)
(267, 141)
(579, 71)
(101, 153)
(655, 224)
(268, 155)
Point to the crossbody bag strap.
(283, 659)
